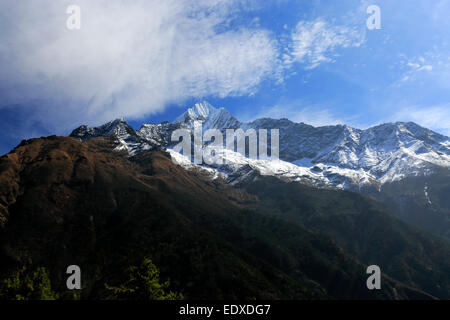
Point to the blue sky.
(147, 61)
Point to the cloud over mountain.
(133, 59)
(128, 59)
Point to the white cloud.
(134, 58)
(419, 66)
(430, 63)
(314, 42)
(128, 59)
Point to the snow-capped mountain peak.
(117, 127)
(210, 117)
(200, 111)
(338, 155)
(126, 138)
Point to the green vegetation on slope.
(65, 202)
(144, 284)
(364, 229)
(28, 286)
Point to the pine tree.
(28, 286)
(144, 284)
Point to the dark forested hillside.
(364, 228)
(421, 201)
(65, 202)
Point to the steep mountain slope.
(366, 161)
(423, 201)
(68, 202)
(362, 227)
(210, 117)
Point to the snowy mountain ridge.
(330, 156)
